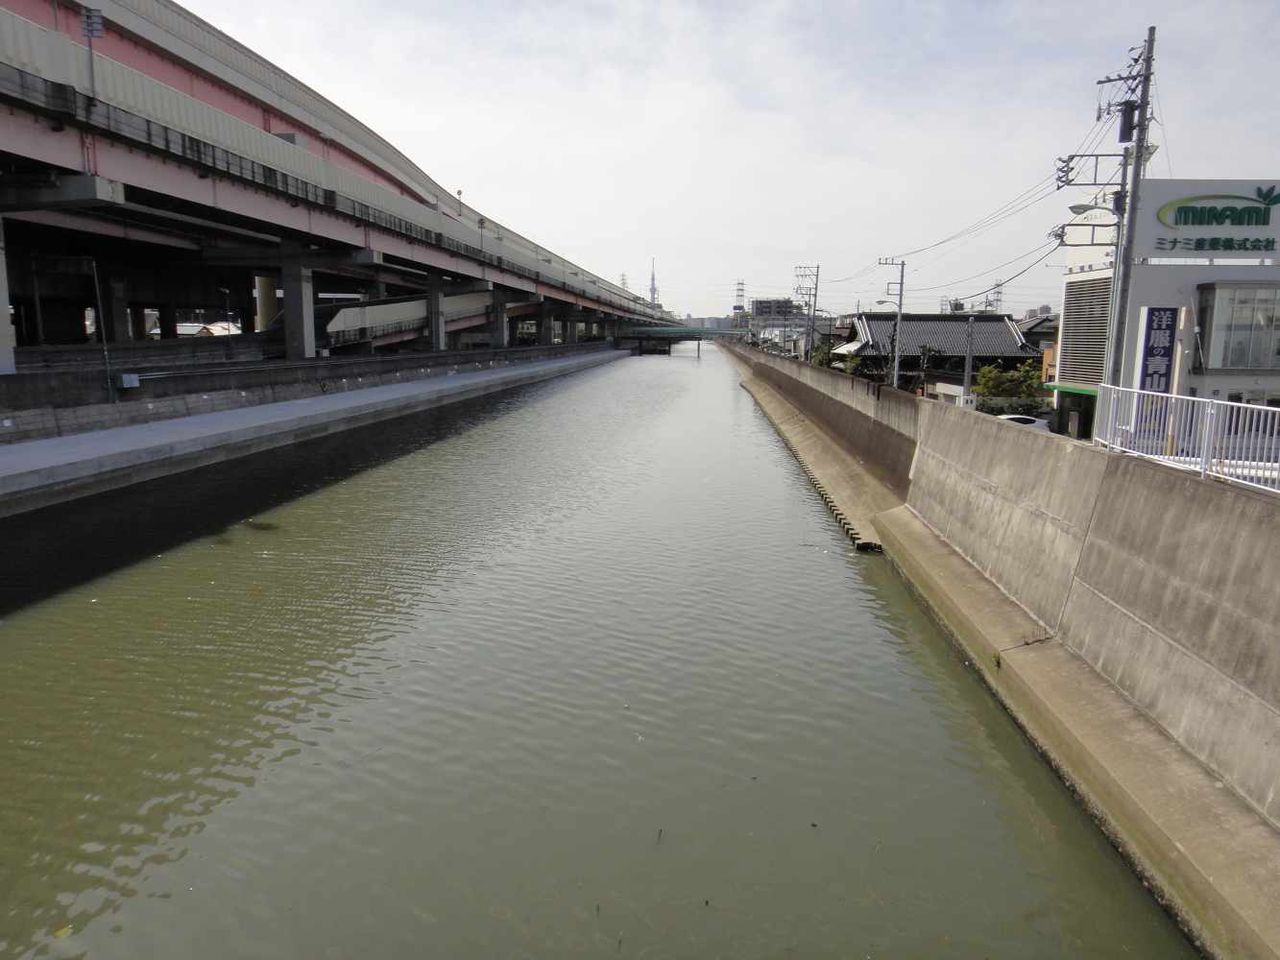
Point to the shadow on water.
(65, 545)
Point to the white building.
(1205, 250)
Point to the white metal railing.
(1233, 441)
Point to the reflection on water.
(581, 670)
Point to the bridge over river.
(581, 669)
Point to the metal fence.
(1239, 442)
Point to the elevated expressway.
(170, 169)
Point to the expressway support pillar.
(611, 329)
(435, 317)
(117, 309)
(498, 331)
(513, 332)
(546, 325)
(8, 333)
(299, 312)
(571, 326)
(138, 321)
(241, 302)
(265, 308)
(168, 321)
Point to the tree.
(1022, 381)
(821, 356)
(1010, 391)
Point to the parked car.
(1033, 422)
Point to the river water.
(582, 670)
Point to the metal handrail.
(1238, 442)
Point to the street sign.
(1155, 363)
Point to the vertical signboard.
(1155, 349)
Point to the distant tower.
(653, 283)
(622, 282)
(740, 299)
(997, 298)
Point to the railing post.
(1114, 412)
(1206, 444)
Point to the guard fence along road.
(1239, 442)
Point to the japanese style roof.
(944, 334)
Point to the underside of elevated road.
(168, 182)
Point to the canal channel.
(585, 669)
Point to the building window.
(1243, 332)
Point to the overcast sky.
(735, 140)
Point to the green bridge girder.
(677, 333)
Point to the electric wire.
(1048, 253)
(982, 273)
(1020, 202)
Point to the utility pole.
(1125, 255)
(968, 359)
(897, 320)
(807, 287)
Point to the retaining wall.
(58, 403)
(1176, 600)
(1166, 584)
(876, 423)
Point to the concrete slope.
(1209, 856)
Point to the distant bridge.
(659, 339)
(676, 333)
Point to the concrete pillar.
(8, 335)
(571, 326)
(138, 321)
(117, 308)
(168, 321)
(265, 308)
(435, 317)
(498, 330)
(376, 290)
(611, 329)
(243, 304)
(299, 312)
(546, 325)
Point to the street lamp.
(897, 322)
(1080, 209)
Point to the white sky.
(735, 140)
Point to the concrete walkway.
(38, 473)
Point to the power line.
(1048, 253)
(1021, 201)
(982, 273)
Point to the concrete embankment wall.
(1176, 600)
(875, 423)
(57, 403)
(1166, 584)
(41, 473)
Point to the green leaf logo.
(1268, 196)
